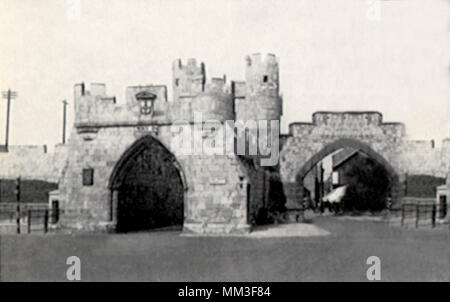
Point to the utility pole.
(8, 95)
(64, 121)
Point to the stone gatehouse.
(124, 171)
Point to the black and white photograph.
(223, 141)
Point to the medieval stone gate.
(124, 171)
(309, 143)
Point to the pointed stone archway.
(308, 143)
(396, 186)
(147, 188)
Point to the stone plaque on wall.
(146, 130)
(218, 181)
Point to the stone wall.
(215, 185)
(307, 139)
(422, 186)
(422, 157)
(33, 163)
(94, 110)
(262, 100)
(308, 143)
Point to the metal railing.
(420, 214)
(38, 216)
(31, 214)
(417, 212)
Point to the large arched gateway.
(148, 188)
(386, 143)
(395, 184)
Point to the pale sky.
(334, 55)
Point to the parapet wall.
(188, 79)
(329, 131)
(97, 110)
(33, 162)
(255, 99)
(420, 157)
(351, 124)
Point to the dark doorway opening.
(150, 189)
(442, 207)
(347, 175)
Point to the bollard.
(402, 221)
(433, 216)
(29, 221)
(303, 213)
(417, 215)
(18, 222)
(18, 219)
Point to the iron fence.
(416, 212)
(35, 216)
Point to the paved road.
(406, 255)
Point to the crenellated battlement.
(216, 102)
(191, 67)
(238, 89)
(257, 98)
(95, 89)
(348, 123)
(218, 84)
(262, 72)
(261, 59)
(88, 102)
(188, 79)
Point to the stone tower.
(262, 88)
(258, 99)
(187, 80)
